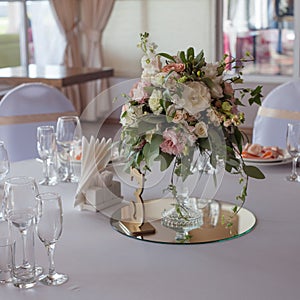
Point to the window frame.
(23, 30)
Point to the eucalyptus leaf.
(208, 82)
(145, 127)
(165, 160)
(253, 172)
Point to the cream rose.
(200, 129)
(179, 115)
(195, 97)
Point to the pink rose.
(179, 115)
(173, 143)
(177, 67)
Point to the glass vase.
(184, 215)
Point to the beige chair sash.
(278, 113)
(36, 118)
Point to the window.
(9, 34)
(265, 29)
(29, 34)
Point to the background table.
(103, 264)
(57, 76)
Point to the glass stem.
(50, 250)
(24, 240)
(45, 168)
(294, 166)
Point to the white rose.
(154, 102)
(195, 97)
(200, 129)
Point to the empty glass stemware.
(68, 138)
(293, 147)
(49, 231)
(20, 207)
(46, 146)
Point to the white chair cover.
(22, 110)
(280, 107)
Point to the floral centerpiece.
(177, 105)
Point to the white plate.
(286, 158)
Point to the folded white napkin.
(95, 157)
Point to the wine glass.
(68, 138)
(46, 146)
(49, 231)
(293, 147)
(20, 208)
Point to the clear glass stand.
(182, 219)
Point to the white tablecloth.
(104, 264)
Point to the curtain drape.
(68, 13)
(50, 50)
(94, 17)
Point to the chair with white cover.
(23, 109)
(280, 107)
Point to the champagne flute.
(49, 231)
(20, 208)
(68, 138)
(46, 146)
(293, 147)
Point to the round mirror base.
(219, 223)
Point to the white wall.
(173, 25)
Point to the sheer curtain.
(68, 13)
(86, 20)
(48, 41)
(94, 17)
